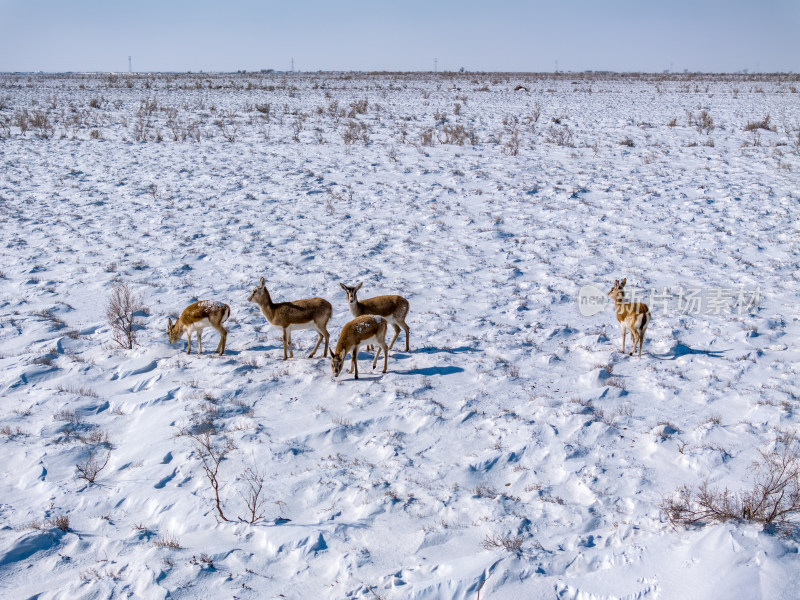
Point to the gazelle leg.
(319, 339)
(396, 333)
(284, 344)
(405, 328)
(189, 337)
(385, 357)
(624, 333)
(636, 337)
(377, 354)
(223, 336)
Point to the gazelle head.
(351, 292)
(173, 331)
(259, 293)
(336, 364)
(618, 291)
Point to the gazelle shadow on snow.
(679, 350)
(427, 371)
(459, 350)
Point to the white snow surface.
(512, 417)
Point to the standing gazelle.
(392, 308)
(366, 329)
(632, 316)
(198, 316)
(311, 313)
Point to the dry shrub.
(508, 542)
(512, 143)
(121, 312)
(358, 107)
(560, 135)
(59, 522)
(90, 469)
(703, 121)
(762, 124)
(773, 499)
(167, 541)
(354, 132)
(457, 135)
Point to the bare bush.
(90, 469)
(457, 135)
(508, 542)
(228, 128)
(354, 132)
(121, 312)
(21, 120)
(41, 122)
(211, 454)
(59, 522)
(167, 541)
(253, 495)
(762, 124)
(358, 107)
(512, 143)
(774, 497)
(703, 121)
(560, 135)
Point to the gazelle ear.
(344, 287)
(262, 282)
(622, 283)
(169, 323)
(358, 287)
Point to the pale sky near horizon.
(503, 35)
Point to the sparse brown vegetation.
(510, 543)
(122, 314)
(762, 124)
(774, 497)
(92, 466)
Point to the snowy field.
(514, 452)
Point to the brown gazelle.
(632, 316)
(366, 329)
(198, 316)
(310, 313)
(392, 308)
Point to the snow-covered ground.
(513, 421)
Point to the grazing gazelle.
(632, 316)
(311, 313)
(198, 316)
(392, 308)
(366, 329)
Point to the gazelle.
(366, 329)
(196, 317)
(392, 308)
(311, 313)
(632, 316)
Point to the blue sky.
(182, 35)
